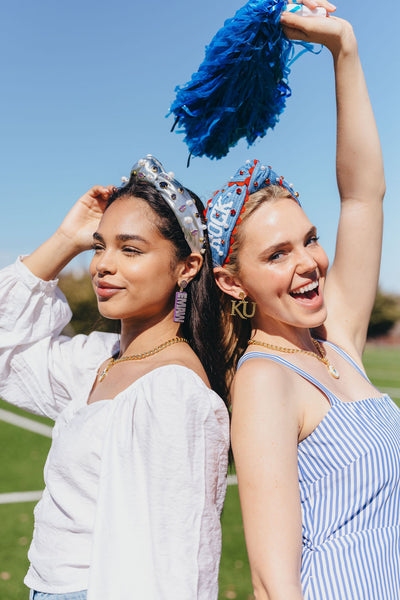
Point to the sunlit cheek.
(92, 267)
(264, 289)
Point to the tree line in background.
(86, 318)
(385, 314)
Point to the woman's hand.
(74, 235)
(82, 220)
(334, 33)
(311, 4)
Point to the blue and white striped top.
(349, 477)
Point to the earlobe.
(228, 283)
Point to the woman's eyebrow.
(121, 237)
(274, 248)
(126, 237)
(284, 244)
(312, 231)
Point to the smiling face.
(134, 269)
(282, 267)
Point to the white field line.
(34, 496)
(29, 424)
(46, 431)
(20, 497)
(15, 497)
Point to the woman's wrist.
(70, 242)
(345, 45)
(51, 257)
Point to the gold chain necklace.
(114, 361)
(319, 354)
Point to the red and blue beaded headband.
(224, 210)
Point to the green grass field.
(23, 454)
(383, 368)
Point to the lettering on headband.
(218, 222)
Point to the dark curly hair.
(202, 326)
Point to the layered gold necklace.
(114, 361)
(320, 355)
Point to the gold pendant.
(333, 371)
(103, 373)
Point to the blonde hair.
(237, 331)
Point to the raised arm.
(40, 370)
(72, 237)
(352, 280)
(264, 442)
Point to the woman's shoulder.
(258, 378)
(256, 368)
(87, 352)
(182, 355)
(177, 377)
(172, 399)
(265, 403)
(97, 340)
(178, 388)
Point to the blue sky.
(86, 86)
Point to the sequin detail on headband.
(177, 198)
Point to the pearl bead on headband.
(225, 208)
(177, 198)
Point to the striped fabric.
(349, 477)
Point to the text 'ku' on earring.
(180, 303)
(239, 307)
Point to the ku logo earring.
(180, 303)
(239, 307)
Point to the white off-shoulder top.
(134, 485)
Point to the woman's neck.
(285, 336)
(141, 336)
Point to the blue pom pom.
(241, 87)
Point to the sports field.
(22, 456)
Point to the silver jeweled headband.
(177, 198)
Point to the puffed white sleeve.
(41, 370)
(157, 531)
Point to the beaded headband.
(224, 209)
(177, 198)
